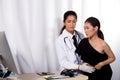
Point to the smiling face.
(70, 23)
(90, 31)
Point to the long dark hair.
(66, 14)
(95, 22)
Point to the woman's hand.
(86, 67)
(99, 66)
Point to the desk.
(33, 76)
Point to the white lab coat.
(65, 50)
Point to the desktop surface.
(34, 76)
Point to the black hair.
(66, 14)
(95, 22)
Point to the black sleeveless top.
(91, 56)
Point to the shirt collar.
(68, 34)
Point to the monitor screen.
(6, 56)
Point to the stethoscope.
(69, 43)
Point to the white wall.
(110, 20)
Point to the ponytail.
(62, 29)
(100, 34)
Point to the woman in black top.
(95, 51)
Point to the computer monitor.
(5, 53)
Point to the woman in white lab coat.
(65, 47)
